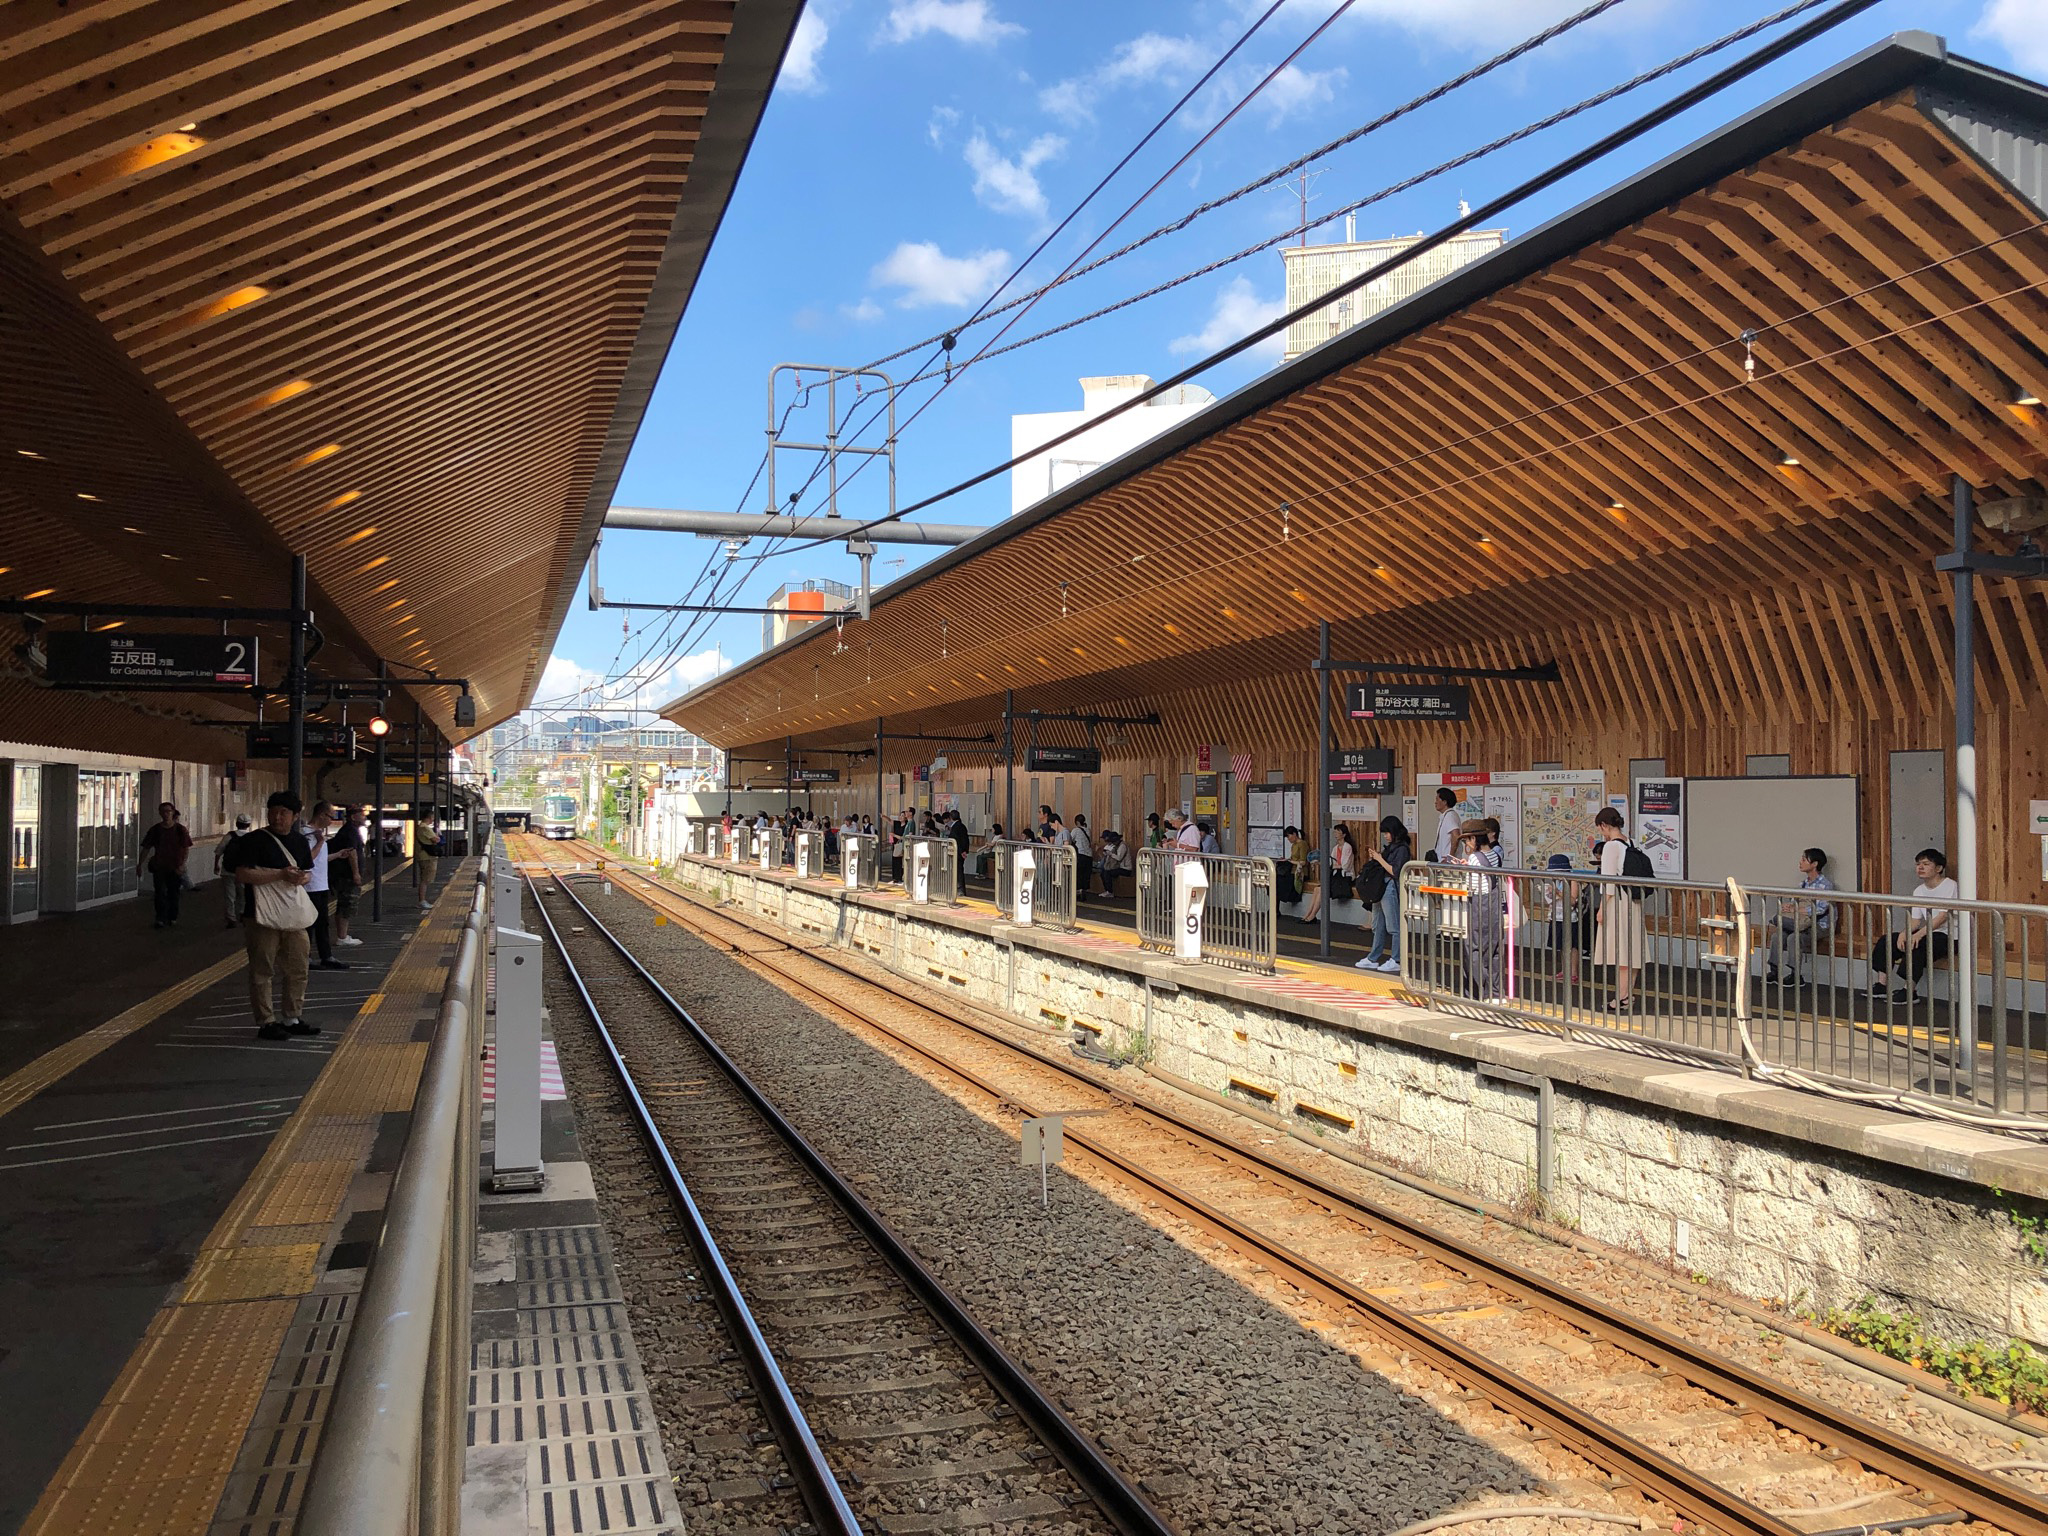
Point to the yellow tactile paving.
(18, 1087)
(161, 1446)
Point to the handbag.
(1342, 886)
(282, 905)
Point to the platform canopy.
(1567, 450)
(387, 285)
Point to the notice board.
(1754, 829)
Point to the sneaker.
(350, 942)
(273, 1032)
(1367, 964)
(301, 1027)
(1390, 967)
(1902, 995)
(331, 965)
(1880, 989)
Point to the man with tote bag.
(274, 863)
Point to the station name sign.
(817, 775)
(321, 741)
(1063, 759)
(91, 660)
(1409, 701)
(1361, 770)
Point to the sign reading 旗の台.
(1409, 701)
(1361, 770)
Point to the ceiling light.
(138, 157)
(371, 565)
(2025, 397)
(361, 533)
(324, 451)
(1079, 652)
(385, 587)
(111, 624)
(341, 501)
(398, 603)
(1120, 640)
(126, 529)
(4, 569)
(291, 389)
(170, 557)
(1486, 538)
(1172, 628)
(87, 496)
(225, 304)
(1229, 613)
(188, 127)
(1788, 461)
(41, 592)
(28, 453)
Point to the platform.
(181, 1199)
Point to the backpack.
(1636, 865)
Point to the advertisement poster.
(1660, 824)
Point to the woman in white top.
(1925, 936)
(1620, 941)
(1449, 826)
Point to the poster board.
(1658, 825)
(1754, 829)
(1269, 810)
(1541, 811)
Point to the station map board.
(1541, 811)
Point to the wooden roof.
(1558, 452)
(386, 284)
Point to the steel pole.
(879, 740)
(1326, 829)
(296, 684)
(1009, 762)
(788, 776)
(377, 819)
(1965, 939)
(419, 889)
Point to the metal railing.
(860, 861)
(1239, 920)
(1945, 1005)
(391, 1452)
(1055, 891)
(941, 870)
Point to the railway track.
(1448, 1301)
(826, 1308)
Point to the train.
(556, 816)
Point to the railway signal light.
(379, 726)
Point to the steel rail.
(1972, 1493)
(1114, 1495)
(815, 1481)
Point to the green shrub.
(2012, 1373)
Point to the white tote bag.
(283, 905)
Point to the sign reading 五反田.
(94, 659)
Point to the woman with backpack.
(1620, 940)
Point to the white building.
(1043, 473)
(1313, 270)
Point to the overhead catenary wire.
(1691, 96)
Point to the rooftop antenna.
(1300, 186)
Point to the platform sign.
(1409, 701)
(337, 741)
(106, 660)
(817, 775)
(1063, 760)
(1361, 771)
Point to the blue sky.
(915, 150)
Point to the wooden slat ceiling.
(386, 284)
(1574, 464)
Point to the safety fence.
(1941, 1003)
(1048, 894)
(931, 870)
(860, 862)
(768, 848)
(391, 1452)
(1208, 906)
(809, 855)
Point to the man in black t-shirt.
(274, 854)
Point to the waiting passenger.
(1154, 836)
(1084, 854)
(1340, 883)
(1045, 823)
(230, 892)
(273, 866)
(345, 876)
(1209, 843)
(1448, 825)
(1485, 949)
(165, 847)
(1924, 937)
(1799, 925)
(1390, 857)
(1290, 870)
(1112, 861)
(1620, 940)
(317, 834)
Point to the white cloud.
(928, 276)
(2020, 27)
(942, 119)
(800, 64)
(1142, 60)
(1490, 24)
(1291, 91)
(865, 311)
(965, 21)
(566, 683)
(1238, 311)
(1011, 185)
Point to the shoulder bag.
(281, 904)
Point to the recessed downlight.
(87, 496)
(371, 565)
(39, 592)
(309, 459)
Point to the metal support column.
(789, 775)
(880, 742)
(377, 817)
(1321, 768)
(1965, 866)
(295, 685)
(417, 743)
(1009, 762)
